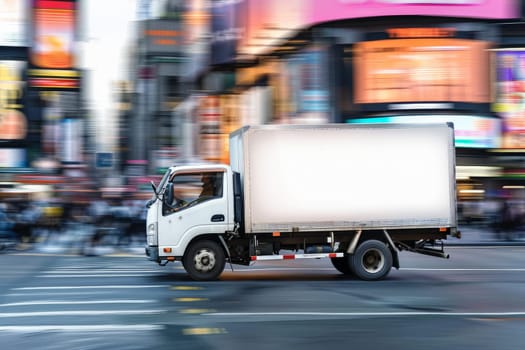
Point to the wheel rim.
(204, 260)
(373, 260)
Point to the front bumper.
(152, 252)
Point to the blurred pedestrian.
(7, 235)
(508, 221)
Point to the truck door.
(194, 203)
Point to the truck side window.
(189, 189)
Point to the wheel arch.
(206, 237)
(379, 235)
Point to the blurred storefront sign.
(54, 34)
(13, 22)
(470, 131)
(510, 95)
(421, 69)
(162, 36)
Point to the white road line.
(464, 269)
(70, 293)
(402, 268)
(361, 314)
(101, 271)
(81, 328)
(80, 313)
(99, 275)
(54, 302)
(284, 269)
(95, 287)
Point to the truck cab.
(190, 203)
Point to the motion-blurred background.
(98, 97)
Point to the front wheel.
(371, 261)
(204, 260)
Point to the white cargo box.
(339, 176)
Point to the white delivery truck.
(356, 194)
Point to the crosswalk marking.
(95, 287)
(80, 313)
(82, 328)
(71, 302)
(42, 307)
(98, 275)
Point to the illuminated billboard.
(269, 22)
(469, 131)
(422, 70)
(510, 95)
(54, 34)
(13, 122)
(331, 10)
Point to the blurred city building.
(199, 69)
(42, 118)
(331, 61)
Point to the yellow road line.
(189, 300)
(203, 331)
(186, 288)
(196, 311)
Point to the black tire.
(342, 265)
(204, 260)
(371, 261)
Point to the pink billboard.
(268, 22)
(331, 10)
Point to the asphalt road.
(474, 300)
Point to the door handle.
(217, 218)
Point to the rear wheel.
(204, 260)
(341, 265)
(371, 261)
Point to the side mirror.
(168, 194)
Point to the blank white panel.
(311, 175)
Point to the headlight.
(152, 229)
(151, 236)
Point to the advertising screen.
(13, 19)
(422, 70)
(54, 31)
(13, 122)
(469, 131)
(510, 96)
